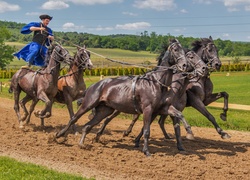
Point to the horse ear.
(84, 47)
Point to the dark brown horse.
(199, 93)
(72, 86)
(196, 68)
(38, 85)
(149, 95)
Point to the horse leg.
(161, 122)
(147, 120)
(17, 92)
(82, 110)
(32, 107)
(128, 131)
(46, 112)
(108, 119)
(215, 96)
(199, 105)
(71, 112)
(137, 139)
(22, 103)
(102, 112)
(176, 117)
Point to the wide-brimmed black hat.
(45, 16)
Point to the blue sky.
(224, 19)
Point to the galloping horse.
(72, 86)
(199, 93)
(149, 95)
(38, 85)
(196, 68)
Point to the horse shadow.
(199, 147)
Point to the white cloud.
(69, 26)
(184, 11)
(51, 5)
(133, 26)
(159, 5)
(235, 2)
(129, 13)
(92, 2)
(72, 27)
(202, 1)
(225, 35)
(33, 13)
(5, 7)
(234, 5)
(100, 28)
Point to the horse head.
(60, 54)
(195, 64)
(174, 56)
(208, 52)
(82, 58)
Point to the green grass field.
(11, 169)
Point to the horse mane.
(199, 43)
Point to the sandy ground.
(207, 157)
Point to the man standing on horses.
(34, 53)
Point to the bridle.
(205, 55)
(82, 60)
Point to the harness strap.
(134, 98)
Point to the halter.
(170, 49)
(83, 60)
(194, 66)
(205, 54)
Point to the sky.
(224, 19)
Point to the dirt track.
(208, 156)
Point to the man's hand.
(51, 38)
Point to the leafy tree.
(6, 51)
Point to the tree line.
(144, 41)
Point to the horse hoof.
(225, 136)
(81, 146)
(21, 124)
(183, 152)
(37, 114)
(147, 154)
(168, 136)
(223, 116)
(60, 140)
(190, 136)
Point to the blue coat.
(33, 46)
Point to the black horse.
(199, 93)
(197, 69)
(149, 95)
